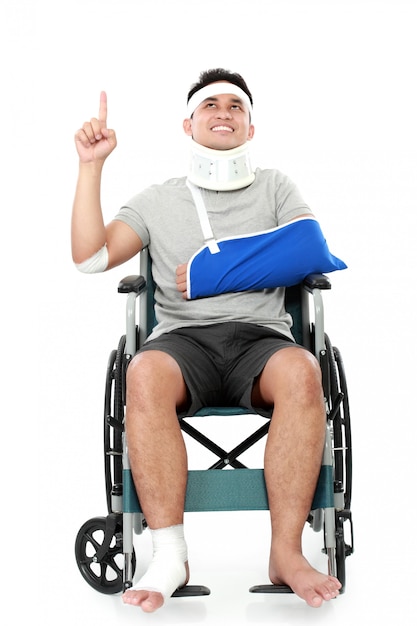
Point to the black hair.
(219, 74)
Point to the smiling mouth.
(217, 129)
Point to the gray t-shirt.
(166, 220)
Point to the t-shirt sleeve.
(134, 212)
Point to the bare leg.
(291, 381)
(157, 453)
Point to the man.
(232, 348)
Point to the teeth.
(230, 130)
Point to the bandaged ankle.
(167, 570)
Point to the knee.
(310, 366)
(308, 381)
(139, 379)
(148, 374)
(297, 373)
(141, 369)
(306, 372)
(146, 369)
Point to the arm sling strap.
(278, 257)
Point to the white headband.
(215, 89)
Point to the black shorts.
(220, 362)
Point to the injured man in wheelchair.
(222, 336)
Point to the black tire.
(105, 576)
(342, 441)
(341, 423)
(347, 428)
(113, 421)
(341, 562)
(108, 429)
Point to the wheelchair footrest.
(191, 590)
(271, 589)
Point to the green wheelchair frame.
(104, 546)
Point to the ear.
(251, 132)
(187, 126)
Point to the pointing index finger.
(102, 114)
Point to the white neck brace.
(220, 170)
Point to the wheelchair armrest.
(136, 284)
(317, 281)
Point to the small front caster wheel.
(100, 557)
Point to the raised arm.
(89, 235)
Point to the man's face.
(221, 122)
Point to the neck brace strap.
(220, 170)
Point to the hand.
(94, 141)
(181, 279)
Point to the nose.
(224, 113)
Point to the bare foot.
(150, 600)
(305, 581)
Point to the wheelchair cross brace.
(225, 458)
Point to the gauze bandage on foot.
(167, 570)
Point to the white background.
(335, 109)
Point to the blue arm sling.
(279, 257)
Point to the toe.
(315, 601)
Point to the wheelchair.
(104, 546)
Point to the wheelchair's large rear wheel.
(114, 423)
(99, 554)
(342, 458)
(99, 542)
